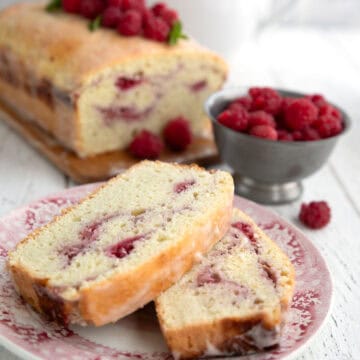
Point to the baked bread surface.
(63, 77)
(233, 301)
(122, 245)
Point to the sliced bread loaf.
(124, 244)
(233, 300)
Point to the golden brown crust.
(221, 336)
(108, 300)
(103, 166)
(62, 48)
(53, 56)
(57, 119)
(225, 335)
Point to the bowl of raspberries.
(274, 138)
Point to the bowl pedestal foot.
(266, 193)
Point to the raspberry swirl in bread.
(94, 91)
(124, 244)
(233, 301)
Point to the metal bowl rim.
(243, 91)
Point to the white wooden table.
(305, 60)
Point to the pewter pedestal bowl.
(267, 171)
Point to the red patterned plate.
(138, 336)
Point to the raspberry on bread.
(124, 244)
(94, 91)
(231, 302)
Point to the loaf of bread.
(124, 244)
(93, 91)
(233, 301)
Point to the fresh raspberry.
(265, 99)
(177, 134)
(261, 118)
(264, 131)
(148, 17)
(329, 110)
(130, 23)
(158, 8)
(244, 101)
(111, 17)
(71, 6)
(300, 113)
(317, 99)
(315, 215)
(310, 134)
(91, 8)
(146, 145)
(284, 135)
(117, 3)
(138, 5)
(156, 29)
(327, 126)
(286, 101)
(297, 135)
(163, 11)
(236, 119)
(125, 83)
(234, 106)
(170, 16)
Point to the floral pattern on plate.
(138, 336)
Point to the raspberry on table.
(266, 99)
(315, 215)
(236, 119)
(177, 134)
(261, 118)
(111, 16)
(71, 6)
(91, 8)
(146, 145)
(300, 113)
(328, 126)
(264, 131)
(130, 23)
(156, 29)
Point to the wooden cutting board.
(100, 167)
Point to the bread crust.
(62, 48)
(222, 337)
(107, 300)
(230, 335)
(56, 57)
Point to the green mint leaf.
(95, 24)
(176, 33)
(53, 5)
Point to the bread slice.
(124, 244)
(93, 91)
(233, 300)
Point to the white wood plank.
(24, 174)
(339, 244)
